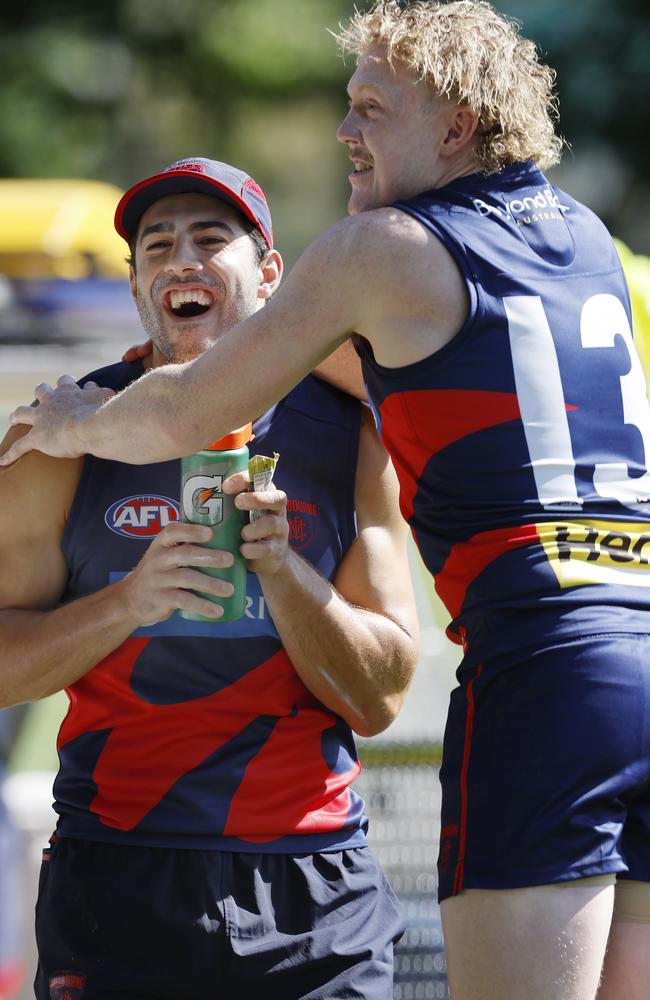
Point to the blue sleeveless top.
(196, 734)
(522, 446)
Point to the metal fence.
(403, 803)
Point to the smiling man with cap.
(209, 841)
(196, 302)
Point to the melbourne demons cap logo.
(141, 516)
(67, 985)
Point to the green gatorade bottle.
(203, 502)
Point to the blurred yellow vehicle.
(62, 270)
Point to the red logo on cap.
(255, 188)
(67, 985)
(196, 168)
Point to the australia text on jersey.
(544, 206)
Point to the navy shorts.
(546, 767)
(140, 923)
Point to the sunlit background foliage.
(114, 89)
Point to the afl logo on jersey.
(141, 516)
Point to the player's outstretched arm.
(379, 274)
(342, 368)
(354, 643)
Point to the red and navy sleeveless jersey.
(200, 734)
(522, 446)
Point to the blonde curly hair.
(466, 51)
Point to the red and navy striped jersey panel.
(198, 734)
(522, 446)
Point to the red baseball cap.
(196, 174)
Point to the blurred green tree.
(117, 88)
(600, 52)
(114, 89)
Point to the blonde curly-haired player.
(492, 319)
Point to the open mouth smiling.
(188, 303)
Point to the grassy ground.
(35, 749)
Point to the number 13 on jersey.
(543, 408)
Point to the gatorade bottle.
(203, 502)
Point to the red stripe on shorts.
(469, 729)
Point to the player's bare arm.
(369, 274)
(342, 368)
(354, 643)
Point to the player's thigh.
(528, 943)
(626, 972)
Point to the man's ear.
(270, 274)
(132, 281)
(463, 123)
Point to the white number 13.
(542, 405)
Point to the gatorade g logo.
(141, 516)
(202, 500)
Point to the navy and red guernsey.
(522, 447)
(200, 734)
